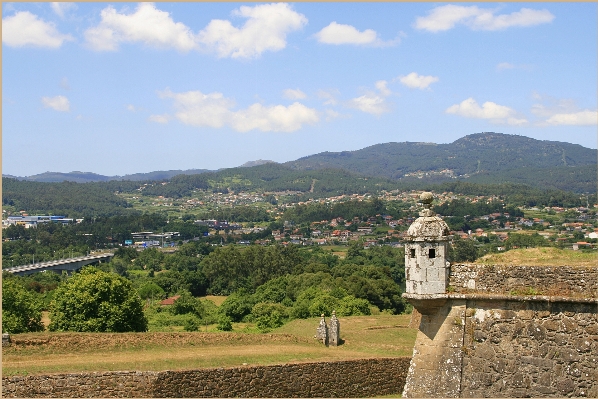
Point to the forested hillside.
(271, 177)
(482, 157)
(65, 198)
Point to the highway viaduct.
(58, 266)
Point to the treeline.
(576, 179)
(67, 198)
(269, 177)
(514, 194)
(308, 213)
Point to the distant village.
(579, 231)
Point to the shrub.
(191, 324)
(187, 304)
(21, 311)
(224, 323)
(351, 306)
(97, 301)
(237, 305)
(150, 291)
(269, 315)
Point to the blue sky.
(120, 88)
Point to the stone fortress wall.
(500, 330)
(354, 378)
(509, 331)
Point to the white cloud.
(58, 103)
(265, 30)
(345, 34)
(415, 81)
(146, 25)
(197, 109)
(214, 110)
(159, 118)
(276, 118)
(329, 96)
(336, 33)
(447, 17)
(370, 103)
(489, 110)
(582, 118)
(26, 29)
(294, 94)
(381, 86)
(61, 8)
(555, 112)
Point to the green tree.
(97, 301)
(185, 304)
(21, 311)
(224, 323)
(150, 291)
(237, 305)
(464, 251)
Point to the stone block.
(545, 364)
(433, 287)
(565, 386)
(415, 274)
(436, 274)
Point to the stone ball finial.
(426, 198)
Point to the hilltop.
(477, 158)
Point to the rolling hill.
(486, 158)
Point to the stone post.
(335, 330)
(322, 331)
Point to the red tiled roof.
(170, 301)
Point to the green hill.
(481, 157)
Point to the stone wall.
(530, 349)
(355, 378)
(508, 331)
(571, 281)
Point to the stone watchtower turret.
(426, 267)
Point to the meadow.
(364, 337)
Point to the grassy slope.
(542, 257)
(365, 337)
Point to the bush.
(187, 304)
(210, 312)
(159, 321)
(351, 306)
(21, 311)
(150, 291)
(224, 323)
(237, 305)
(191, 324)
(97, 301)
(323, 304)
(269, 315)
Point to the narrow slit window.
(432, 253)
(412, 252)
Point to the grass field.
(364, 337)
(546, 256)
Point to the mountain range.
(478, 158)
